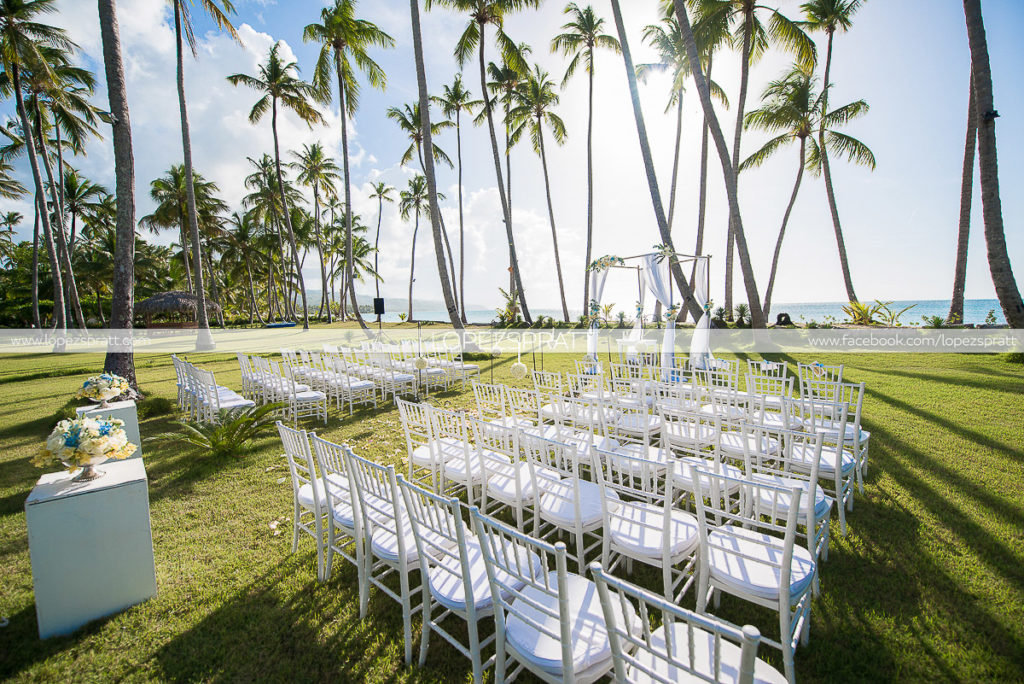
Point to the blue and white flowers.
(103, 387)
(85, 441)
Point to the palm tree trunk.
(287, 214)
(827, 169)
(645, 151)
(252, 292)
(956, 304)
(728, 170)
(349, 278)
(992, 211)
(204, 340)
(59, 319)
(590, 182)
(508, 186)
(462, 231)
(702, 198)
(184, 253)
(444, 236)
(36, 321)
(551, 218)
(782, 231)
(428, 143)
(376, 247)
(506, 212)
(412, 261)
(70, 285)
(748, 27)
(122, 306)
(320, 252)
(675, 162)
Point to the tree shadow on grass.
(1003, 383)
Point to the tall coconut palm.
(318, 172)
(10, 187)
(992, 211)
(8, 222)
(410, 121)
(792, 108)
(80, 197)
(752, 37)
(183, 33)
(278, 83)
(413, 201)
(582, 35)
(21, 38)
(345, 41)
(241, 230)
(120, 361)
(831, 16)
(536, 97)
(382, 192)
(483, 13)
(265, 201)
(645, 152)
(456, 100)
(956, 303)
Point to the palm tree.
(317, 171)
(413, 201)
(535, 99)
(383, 193)
(10, 187)
(831, 16)
(80, 197)
(120, 361)
(278, 83)
(956, 304)
(793, 109)
(456, 100)
(483, 13)
(409, 120)
(242, 234)
(645, 151)
(344, 43)
(265, 201)
(183, 32)
(992, 211)
(752, 37)
(21, 38)
(8, 222)
(582, 35)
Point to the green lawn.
(929, 583)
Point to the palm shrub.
(742, 312)
(862, 314)
(234, 430)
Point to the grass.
(929, 583)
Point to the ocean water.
(975, 311)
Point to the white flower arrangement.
(85, 441)
(419, 363)
(518, 370)
(103, 387)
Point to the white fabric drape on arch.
(637, 333)
(659, 282)
(597, 278)
(700, 345)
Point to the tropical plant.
(413, 201)
(582, 35)
(318, 172)
(535, 99)
(933, 321)
(483, 13)
(990, 317)
(383, 193)
(862, 314)
(508, 314)
(719, 314)
(277, 81)
(888, 315)
(456, 100)
(345, 41)
(742, 312)
(992, 212)
(233, 432)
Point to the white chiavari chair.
(345, 524)
(310, 503)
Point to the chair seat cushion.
(557, 504)
(384, 542)
(725, 412)
(803, 455)
(733, 443)
(344, 515)
(830, 431)
(637, 422)
(743, 559)
(768, 499)
(591, 649)
(656, 457)
(446, 579)
(684, 435)
(683, 471)
(703, 663)
(310, 396)
(471, 470)
(442, 449)
(305, 494)
(503, 478)
(551, 411)
(637, 527)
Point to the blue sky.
(908, 58)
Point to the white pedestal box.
(91, 545)
(123, 410)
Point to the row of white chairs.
(556, 624)
(267, 382)
(200, 396)
(611, 498)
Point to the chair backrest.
(676, 395)
(687, 646)
(415, 419)
(626, 371)
(376, 494)
(791, 454)
(300, 461)
(770, 385)
(494, 438)
(631, 478)
(752, 504)
(521, 584)
(449, 425)
(490, 400)
(730, 408)
(523, 404)
(625, 422)
(768, 369)
(689, 431)
(547, 383)
(591, 385)
(718, 379)
(205, 385)
(819, 371)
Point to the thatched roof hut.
(175, 306)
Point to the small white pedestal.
(91, 545)
(123, 410)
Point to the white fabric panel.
(660, 284)
(597, 279)
(700, 345)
